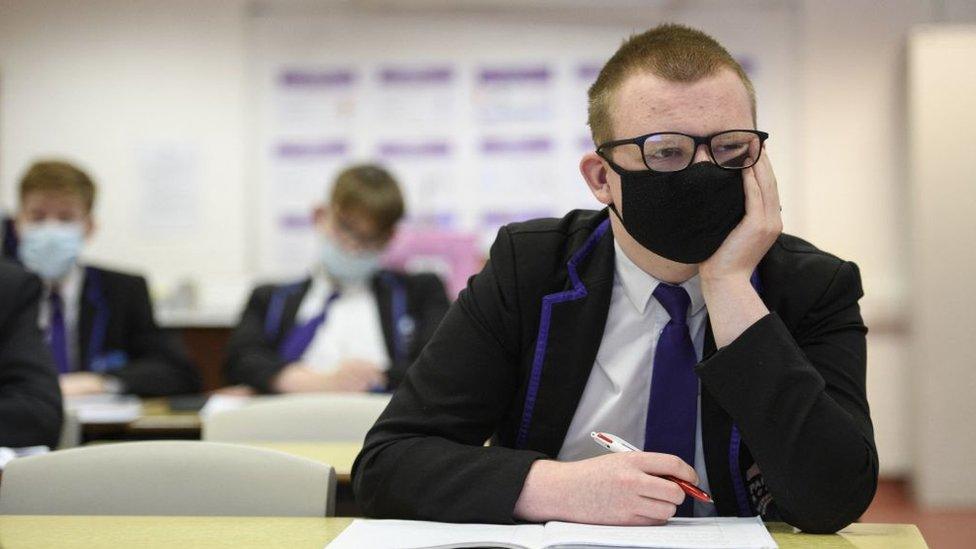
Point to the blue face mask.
(345, 266)
(50, 249)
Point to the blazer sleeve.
(158, 363)
(30, 399)
(431, 304)
(801, 406)
(425, 458)
(251, 359)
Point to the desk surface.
(243, 532)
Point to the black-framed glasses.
(673, 151)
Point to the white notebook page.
(679, 533)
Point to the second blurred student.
(99, 323)
(350, 326)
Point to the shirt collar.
(321, 282)
(324, 284)
(639, 286)
(68, 287)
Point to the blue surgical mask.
(348, 267)
(50, 249)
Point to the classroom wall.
(943, 197)
(853, 180)
(132, 88)
(148, 96)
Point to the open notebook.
(679, 533)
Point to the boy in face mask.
(678, 318)
(350, 326)
(99, 323)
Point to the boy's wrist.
(537, 503)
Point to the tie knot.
(675, 301)
(55, 298)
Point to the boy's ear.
(19, 221)
(594, 171)
(318, 214)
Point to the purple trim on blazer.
(398, 312)
(96, 297)
(577, 292)
(756, 283)
(738, 485)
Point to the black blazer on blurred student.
(118, 336)
(30, 401)
(252, 354)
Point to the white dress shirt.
(619, 387)
(70, 289)
(351, 330)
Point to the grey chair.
(70, 430)
(168, 478)
(321, 417)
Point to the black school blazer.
(785, 423)
(410, 308)
(118, 336)
(30, 399)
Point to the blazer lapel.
(86, 319)
(570, 337)
(383, 292)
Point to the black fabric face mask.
(683, 216)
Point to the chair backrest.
(168, 478)
(323, 417)
(70, 430)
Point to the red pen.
(617, 444)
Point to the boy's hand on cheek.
(746, 245)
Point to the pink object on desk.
(452, 255)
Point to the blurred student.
(30, 403)
(99, 323)
(350, 326)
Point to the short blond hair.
(673, 52)
(60, 177)
(371, 191)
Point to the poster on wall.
(428, 175)
(313, 101)
(516, 94)
(410, 98)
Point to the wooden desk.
(64, 532)
(339, 455)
